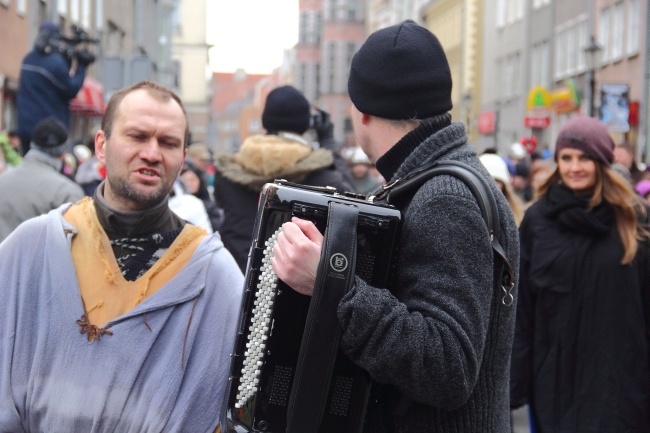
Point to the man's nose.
(151, 150)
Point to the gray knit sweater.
(441, 337)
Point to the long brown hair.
(612, 188)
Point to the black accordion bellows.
(274, 317)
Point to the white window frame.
(633, 28)
(617, 31)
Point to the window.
(537, 4)
(509, 11)
(177, 20)
(540, 63)
(616, 39)
(331, 70)
(99, 17)
(560, 64)
(114, 40)
(86, 14)
(21, 6)
(509, 72)
(603, 33)
(74, 11)
(302, 28)
(571, 38)
(303, 75)
(501, 13)
(351, 49)
(633, 27)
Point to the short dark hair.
(154, 89)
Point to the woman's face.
(191, 181)
(577, 170)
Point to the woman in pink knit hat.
(581, 351)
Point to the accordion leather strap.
(322, 333)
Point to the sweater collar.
(396, 155)
(118, 223)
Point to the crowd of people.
(123, 262)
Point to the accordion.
(274, 317)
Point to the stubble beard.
(127, 192)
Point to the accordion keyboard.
(260, 326)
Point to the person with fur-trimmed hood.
(282, 153)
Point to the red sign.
(633, 118)
(537, 122)
(486, 122)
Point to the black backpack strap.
(395, 192)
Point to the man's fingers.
(309, 229)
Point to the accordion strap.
(395, 193)
(322, 332)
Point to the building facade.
(14, 27)
(330, 32)
(547, 60)
(133, 43)
(190, 64)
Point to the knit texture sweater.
(441, 337)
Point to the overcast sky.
(251, 34)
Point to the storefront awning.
(90, 99)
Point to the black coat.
(580, 356)
(237, 189)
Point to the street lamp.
(592, 53)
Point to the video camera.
(72, 47)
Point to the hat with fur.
(286, 109)
(401, 72)
(50, 136)
(588, 135)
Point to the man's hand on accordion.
(296, 255)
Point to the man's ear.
(183, 164)
(100, 146)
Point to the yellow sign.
(566, 99)
(538, 97)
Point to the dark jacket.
(264, 158)
(580, 357)
(441, 337)
(45, 89)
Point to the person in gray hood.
(282, 153)
(438, 342)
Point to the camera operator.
(51, 74)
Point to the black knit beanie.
(588, 135)
(286, 109)
(50, 136)
(401, 72)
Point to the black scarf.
(138, 238)
(572, 212)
